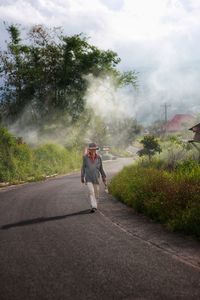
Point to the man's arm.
(101, 170)
(83, 170)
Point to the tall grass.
(19, 162)
(169, 197)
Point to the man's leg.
(93, 200)
(96, 191)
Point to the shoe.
(93, 210)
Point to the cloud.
(107, 21)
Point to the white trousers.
(93, 193)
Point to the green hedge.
(19, 162)
(172, 198)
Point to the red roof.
(178, 122)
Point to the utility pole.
(166, 108)
(165, 105)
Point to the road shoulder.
(181, 247)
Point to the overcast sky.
(158, 38)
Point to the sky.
(159, 39)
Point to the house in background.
(178, 123)
(196, 138)
(196, 130)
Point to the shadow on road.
(44, 219)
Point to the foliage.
(50, 159)
(172, 198)
(18, 162)
(150, 146)
(46, 74)
(126, 78)
(15, 157)
(174, 153)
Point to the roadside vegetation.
(165, 188)
(19, 162)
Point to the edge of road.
(183, 248)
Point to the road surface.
(52, 247)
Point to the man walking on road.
(91, 169)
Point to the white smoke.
(107, 101)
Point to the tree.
(12, 71)
(150, 146)
(46, 76)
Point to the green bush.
(19, 162)
(23, 162)
(8, 149)
(50, 159)
(172, 198)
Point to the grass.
(19, 162)
(169, 197)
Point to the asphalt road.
(52, 247)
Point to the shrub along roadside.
(171, 198)
(19, 162)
